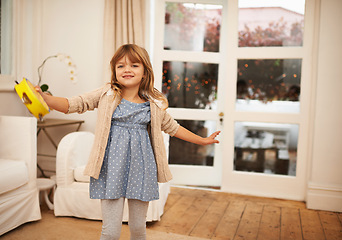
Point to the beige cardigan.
(106, 100)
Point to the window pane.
(192, 27)
(271, 80)
(182, 152)
(269, 148)
(6, 23)
(190, 85)
(271, 23)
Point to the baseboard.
(328, 198)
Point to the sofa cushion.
(13, 174)
(79, 176)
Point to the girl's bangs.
(131, 55)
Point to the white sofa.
(71, 197)
(19, 196)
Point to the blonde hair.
(138, 54)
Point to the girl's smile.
(127, 76)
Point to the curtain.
(124, 22)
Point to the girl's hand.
(37, 88)
(43, 94)
(188, 136)
(55, 103)
(211, 139)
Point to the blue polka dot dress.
(129, 168)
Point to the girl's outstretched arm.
(57, 103)
(186, 135)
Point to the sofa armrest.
(19, 142)
(73, 151)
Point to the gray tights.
(112, 212)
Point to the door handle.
(221, 115)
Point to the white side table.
(44, 184)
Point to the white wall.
(76, 29)
(72, 27)
(325, 183)
(63, 26)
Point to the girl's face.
(129, 74)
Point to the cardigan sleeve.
(169, 125)
(85, 102)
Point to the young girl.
(125, 162)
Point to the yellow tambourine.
(32, 99)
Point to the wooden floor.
(217, 215)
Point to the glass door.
(268, 88)
(187, 62)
